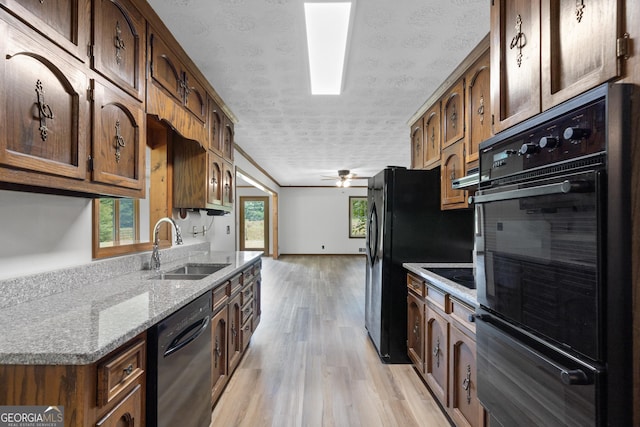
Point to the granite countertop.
(466, 295)
(80, 325)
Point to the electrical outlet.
(361, 249)
(323, 247)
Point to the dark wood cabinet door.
(227, 189)
(432, 136)
(127, 413)
(216, 123)
(417, 147)
(578, 46)
(118, 139)
(65, 22)
(453, 167)
(195, 97)
(227, 139)
(453, 114)
(119, 44)
(43, 108)
(165, 68)
(257, 302)
(436, 354)
(216, 179)
(465, 407)
(478, 106)
(219, 368)
(415, 331)
(515, 61)
(235, 342)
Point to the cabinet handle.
(119, 43)
(233, 330)
(218, 352)
(44, 110)
(579, 10)
(436, 352)
(466, 384)
(128, 369)
(119, 141)
(481, 109)
(519, 40)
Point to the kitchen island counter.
(80, 325)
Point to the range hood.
(470, 180)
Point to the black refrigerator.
(405, 224)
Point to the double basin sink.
(190, 271)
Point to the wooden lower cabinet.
(110, 392)
(233, 323)
(415, 330)
(437, 351)
(448, 363)
(219, 369)
(465, 408)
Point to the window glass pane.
(357, 216)
(127, 220)
(107, 222)
(254, 224)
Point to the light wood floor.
(311, 362)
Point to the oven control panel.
(573, 135)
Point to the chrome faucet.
(155, 255)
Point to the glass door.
(254, 223)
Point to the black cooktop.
(460, 275)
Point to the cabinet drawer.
(416, 285)
(120, 371)
(246, 294)
(128, 410)
(246, 332)
(221, 296)
(248, 274)
(463, 315)
(247, 312)
(235, 284)
(437, 298)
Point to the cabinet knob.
(576, 134)
(549, 142)
(129, 369)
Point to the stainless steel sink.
(196, 268)
(190, 271)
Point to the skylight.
(327, 30)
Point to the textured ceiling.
(253, 52)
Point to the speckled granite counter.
(465, 295)
(82, 324)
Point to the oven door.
(523, 382)
(537, 258)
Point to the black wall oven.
(553, 266)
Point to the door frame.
(241, 227)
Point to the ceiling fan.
(344, 178)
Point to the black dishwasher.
(179, 381)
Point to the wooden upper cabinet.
(578, 46)
(119, 137)
(43, 108)
(453, 114)
(195, 97)
(417, 146)
(216, 124)
(119, 45)
(227, 139)
(515, 61)
(432, 136)
(65, 22)
(170, 73)
(452, 167)
(478, 106)
(216, 179)
(165, 68)
(227, 186)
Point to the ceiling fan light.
(346, 184)
(339, 183)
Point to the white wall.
(41, 232)
(313, 217)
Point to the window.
(357, 217)
(118, 222)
